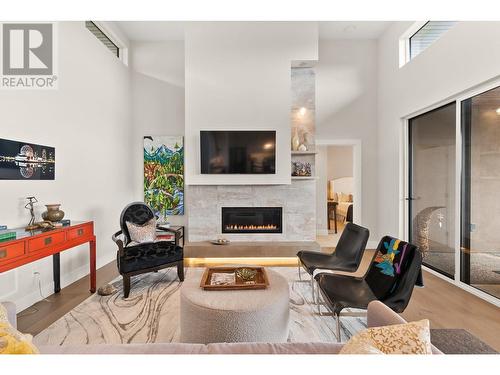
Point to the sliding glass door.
(453, 190)
(480, 197)
(431, 187)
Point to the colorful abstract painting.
(164, 175)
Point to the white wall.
(465, 56)
(346, 108)
(87, 120)
(161, 60)
(238, 77)
(340, 162)
(157, 102)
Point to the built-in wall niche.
(303, 165)
(303, 112)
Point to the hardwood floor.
(42, 314)
(445, 305)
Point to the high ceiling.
(152, 31)
(352, 29)
(157, 31)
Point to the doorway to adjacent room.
(338, 189)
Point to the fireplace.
(252, 220)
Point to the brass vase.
(295, 141)
(53, 213)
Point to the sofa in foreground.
(378, 315)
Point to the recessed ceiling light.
(498, 111)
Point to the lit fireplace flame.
(251, 227)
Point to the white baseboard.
(66, 279)
(47, 288)
(371, 244)
(322, 232)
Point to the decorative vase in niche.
(53, 213)
(308, 139)
(295, 140)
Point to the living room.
(163, 167)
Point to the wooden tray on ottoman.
(261, 280)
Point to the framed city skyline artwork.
(26, 161)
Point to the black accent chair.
(393, 273)
(346, 257)
(145, 257)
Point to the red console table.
(29, 246)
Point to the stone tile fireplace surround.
(297, 200)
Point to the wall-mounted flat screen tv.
(238, 152)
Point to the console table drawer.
(82, 231)
(11, 251)
(45, 241)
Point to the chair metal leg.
(312, 290)
(338, 327)
(318, 303)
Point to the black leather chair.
(346, 257)
(145, 257)
(392, 275)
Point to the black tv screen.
(238, 152)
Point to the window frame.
(411, 36)
(404, 42)
(122, 49)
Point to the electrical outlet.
(36, 278)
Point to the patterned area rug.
(151, 314)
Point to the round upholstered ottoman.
(234, 315)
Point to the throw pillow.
(343, 197)
(3, 314)
(360, 347)
(11, 340)
(408, 338)
(142, 233)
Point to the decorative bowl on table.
(246, 274)
(220, 241)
